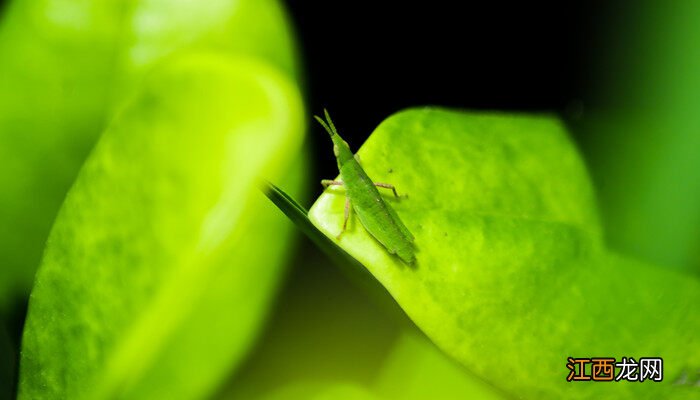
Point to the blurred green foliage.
(70, 69)
(164, 256)
(416, 369)
(511, 275)
(641, 133)
(324, 331)
(66, 66)
(329, 391)
(328, 336)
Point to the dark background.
(365, 60)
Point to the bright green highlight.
(162, 261)
(67, 66)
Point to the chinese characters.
(607, 369)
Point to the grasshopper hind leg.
(387, 186)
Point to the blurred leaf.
(650, 185)
(642, 134)
(163, 259)
(511, 277)
(324, 330)
(322, 391)
(65, 65)
(417, 370)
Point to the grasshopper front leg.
(346, 217)
(330, 182)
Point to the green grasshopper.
(380, 220)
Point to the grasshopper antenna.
(325, 125)
(330, 121)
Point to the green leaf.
(162, 261)
(66, 66)
(511, 276)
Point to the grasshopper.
(361, 194)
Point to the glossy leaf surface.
(511, 275)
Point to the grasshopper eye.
(336, 150)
